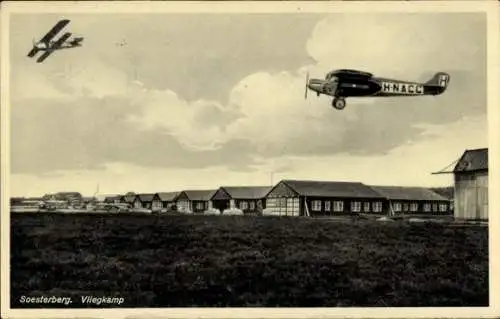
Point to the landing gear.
(339, 103)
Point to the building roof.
(331, 189)
(472, 160)
(247, 192)
(128, 198)
(68, 194)
(446, 192)
(408, 193)
(167, 196)
(146, 197)
(197, 194)
(111, 198)
(63, 195)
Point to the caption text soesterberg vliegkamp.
(68, 300)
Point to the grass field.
(175, 261)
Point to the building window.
(243, 205)
(396, 206)
(316, 205)
(200, 205)
(405, 207)
(283, 206)
(434, 207)
(292, 206)
(338, 206)
(366, 207)
(356, 207)
(414, 207)
(259, 204)
(377, 207)
(443, 208)
(328, 205)
(427, 207)
(252, 205)
(271, 202)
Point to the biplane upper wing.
(54, 47)
(52, 33)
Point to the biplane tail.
(439, 81)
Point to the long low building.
(330, 198)
(316, 198)
(249, 199)
(194, 201)
(412, 200)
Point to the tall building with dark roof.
(471, 185)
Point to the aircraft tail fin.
(440, 80)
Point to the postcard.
(250, 159)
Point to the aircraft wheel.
(339, 103)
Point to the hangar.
(471, 185)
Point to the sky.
(165, 102)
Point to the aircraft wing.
(55, 29)
(33, 52)
(44, 56)
(54, 47)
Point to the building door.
(220, 204)
(466, 197)
(482, 196)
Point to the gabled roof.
(197, 194)
(247, 192)
(128, 198)
(167, 196)
(472, 160)
(145, 197)
(331, 189)
(408, 193)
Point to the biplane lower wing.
(33, 52)
(54, 47)
(52, 33)
(44, 56)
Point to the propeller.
(307, 81)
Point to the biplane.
(344, 83)
(48, 45)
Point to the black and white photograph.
(228, 157)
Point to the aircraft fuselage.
(341, 84)
(357, 87)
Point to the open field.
(247, 261)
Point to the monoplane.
(344, 83)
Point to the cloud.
(409, 164)
(114, 117)
(277, 119)
(195, 125)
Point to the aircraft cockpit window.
(331, 78)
